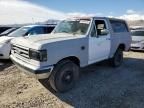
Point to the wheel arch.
(122, 46)
(74, 59)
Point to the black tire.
(117, 60)
(64, 76)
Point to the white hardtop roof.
(95, 17)
(43, 25)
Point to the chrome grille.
(21, 51)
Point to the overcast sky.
(17, 12)
(28, 11)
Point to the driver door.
(99, 42)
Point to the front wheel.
(64, 76)
(118, 58)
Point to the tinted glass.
(137, 33)
(20, 32)
(119, 26)
(36, 31)
(48, 29)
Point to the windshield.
(137, 33)
(19, 32)
(73, 27)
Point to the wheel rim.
(67, 77)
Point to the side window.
(93, 31)
(118, 26)
(36, 31)
(100, 26)
(48, 30)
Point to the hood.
(5, 38)
(39, 40)
(137, 38)
(51, 37)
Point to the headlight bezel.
(38, 55)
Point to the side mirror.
(104, 32)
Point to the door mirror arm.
(104, 32)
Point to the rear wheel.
(118, 58)
(64, 76)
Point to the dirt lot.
(100, 86)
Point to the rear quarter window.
(119, 26)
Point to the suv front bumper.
(39, 73)
(137, 46)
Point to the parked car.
(137, 39)
(26, 31)
(5, 33)
(4, 28)
(74, 43)
(136, 27)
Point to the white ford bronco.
(74, 43)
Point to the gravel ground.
(99, 86)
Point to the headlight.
(40, 55)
